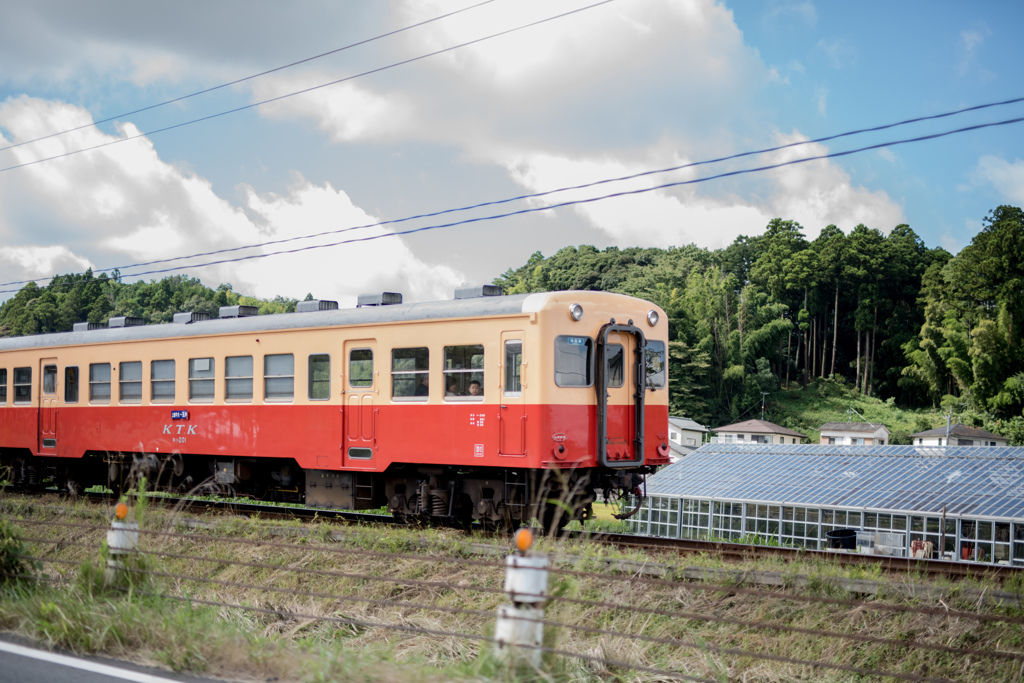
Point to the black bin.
(842, 539)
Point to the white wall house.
(854, 434)
(684, 437)
(756, 431)
(959, 435)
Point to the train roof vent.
(238, 311)
(125, 321)
(190, 317)
(477, 292)
(316, 305)
(381, 299)
(85, 327)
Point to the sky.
(492, 102)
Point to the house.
(854, 434)
(756, 431)
(684, 436)
(959, 435)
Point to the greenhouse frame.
(956, 503)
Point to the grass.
(164, 621)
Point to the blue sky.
(613, 90)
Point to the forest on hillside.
(882, 314)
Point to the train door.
(512, 411)
(361, 386)
(48, 406)
(620, 391)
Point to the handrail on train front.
(639, 386)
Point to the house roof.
(852, 427)
(758, 427)
(981, 482)
(680, 450)
(687, 424)
(962, 431)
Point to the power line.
(249, 78)
(576, 202)
(307, 90)
(566, 189)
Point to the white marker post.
(519, 632)
(122, 539)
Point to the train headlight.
(652, 318)
(575, 311)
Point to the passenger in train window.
(423, 388)
(453, 389)
(475, 389)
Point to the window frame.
(231, 380)
(416, 373)
(512, 371)
(663, 373)
(94, 384)
(196, 380)
(72, 383)
(462, 373)
(278, 397)
(311, 381)
(15, 384)
(3, 386)
(351, 374)
(155, 381)
(588, 344)
(121, 382)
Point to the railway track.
(737, 552)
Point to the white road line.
(84, 664)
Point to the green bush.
(16, 564)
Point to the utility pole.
(763, 394)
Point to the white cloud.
(821, 95)
(1006, 177)
(840, 53)
(125, 204)
(971, 41)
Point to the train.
(488, 408)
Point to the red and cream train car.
(476, 408)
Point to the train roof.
(485, 306)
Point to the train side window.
(238, 378)
(409, 371)
(279, 377)
(99, 383)
(360, 368)
(22, 385)
(161, 381)
(201, 373)
(616, 365)
(464, 370)
(513, 367)
(49, 379)
(655, 355)
(3, 386)
(71, 384)
(574, 361)
(130, 382)
(319, 377)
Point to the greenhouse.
(956, 502)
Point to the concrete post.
(518, 631)
(122, 540)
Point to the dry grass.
(76, 614)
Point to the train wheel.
(554, 517)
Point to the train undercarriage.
(492, 497)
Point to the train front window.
(574, 361)
(616, 365)
(360, 368)
(130, 382)
(464, 371)
(201, 379)
(161, 381)
(71, 384)
(655, 355)
(238, 378)
(50, 380)
(319, 377)
(279, 377)
(513, 367)
(99, 383)
(409, 370)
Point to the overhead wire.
(310, 89)
(545, 193)
(576, 202)
(249, 78)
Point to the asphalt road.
(20, 662)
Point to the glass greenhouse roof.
(977, 481)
